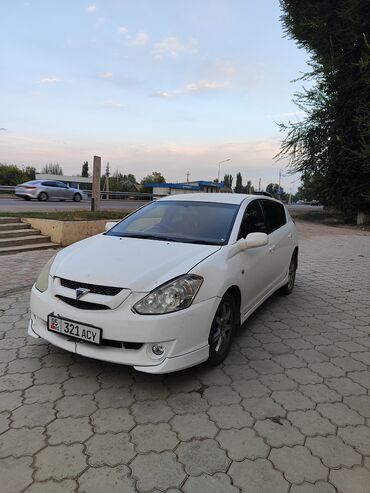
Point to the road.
(20, 205)
(288, 410)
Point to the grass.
(69, 215)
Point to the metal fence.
(9, 190)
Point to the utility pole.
(95, 196)
(187, 176)
(279, 178)
(259, 185)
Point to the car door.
(50, 188)
(253, 262)
(281, 240)
(63, 191)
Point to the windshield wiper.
(149, 237)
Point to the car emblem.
(81, 292)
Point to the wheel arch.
(235, 292)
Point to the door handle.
(290, 236)
(272, 249)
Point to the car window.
(274, 214)
(48, 184)
(253, 220)
(60, 184)
(183, 221)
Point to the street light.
(219, 167)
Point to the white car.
(166, 288)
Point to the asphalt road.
(20, 205)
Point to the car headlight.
(43, 279)
(170, 297)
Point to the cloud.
(171, 48)
(115, 105)
(225, 67)
(49, 79)
(162, 94)
(122, 29)
(205, 85)
(107, 75)
(91, 9)
(140, 39)
(2, 129)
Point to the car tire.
(77, 197)
(289, 286)
(26, 198)
(222, 330)
(43, 197)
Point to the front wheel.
(43, 197)
(77, 197)
(288, 287)
(222, 330)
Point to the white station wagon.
(167, 287)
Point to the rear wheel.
(288, 287)
(43, 197)
(222, 330)
(77, 197)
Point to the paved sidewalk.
(288, 412)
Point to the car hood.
(131, 263)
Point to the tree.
(30, 172)
(331, 145)
(85, 169)
(228, 181)
(239, 183)
(52, 169)
(249, 187)
(11, 175)
(155, 177)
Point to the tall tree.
(239, 183)
(52, 169)
(331, 144)
(228, 181)
(85, 169)
(11, 175)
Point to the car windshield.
(183, 221)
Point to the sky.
(166, 85)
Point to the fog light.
(158, 350)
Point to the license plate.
(74, 329)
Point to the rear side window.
(274, 214)
(253, 221)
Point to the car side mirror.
(253, 240)
(109, 225)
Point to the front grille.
(83, 305)
(94, 288)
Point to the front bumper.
(183, 334)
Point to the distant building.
(187, 187)
(80, 182)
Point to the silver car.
(44, 190)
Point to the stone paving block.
(265, 366)
(202, 456)
(115, 376)
(250, 388)
(361, 377)
(143, 391)
(154, 438)
(279, 432)
(319, 487)
(33, 415)
(298, 464)
(113, 398)
(155, 470)
(340, 414)
(75, 406)
(278, 381)
(320, 393)
(51, 375)
(182, 382)
(151, 412)
(333, 452)
(218, 483)
(24, 441)
(43, 393)
(258, 476)
(15, 381)
(69, 430)
(345, 386)
(354, 480)
(311, 423)
(348, 363)
(23, 365)
(232, 416)
(361, 404)
(263, 407)
(15, 474)
(290, 361)
(311, 355)
(242, 444)
(189, 426)
(218, 395)
(292, 400)
(80, 386)
(60, 462)
(213, 376)
(304, 376)
(10, 400)
(358, 437)
(65, 486)
(107, 480)
(112, 420)
(184, 403)
(110, 449)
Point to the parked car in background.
(167, 287)
(44, 190)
